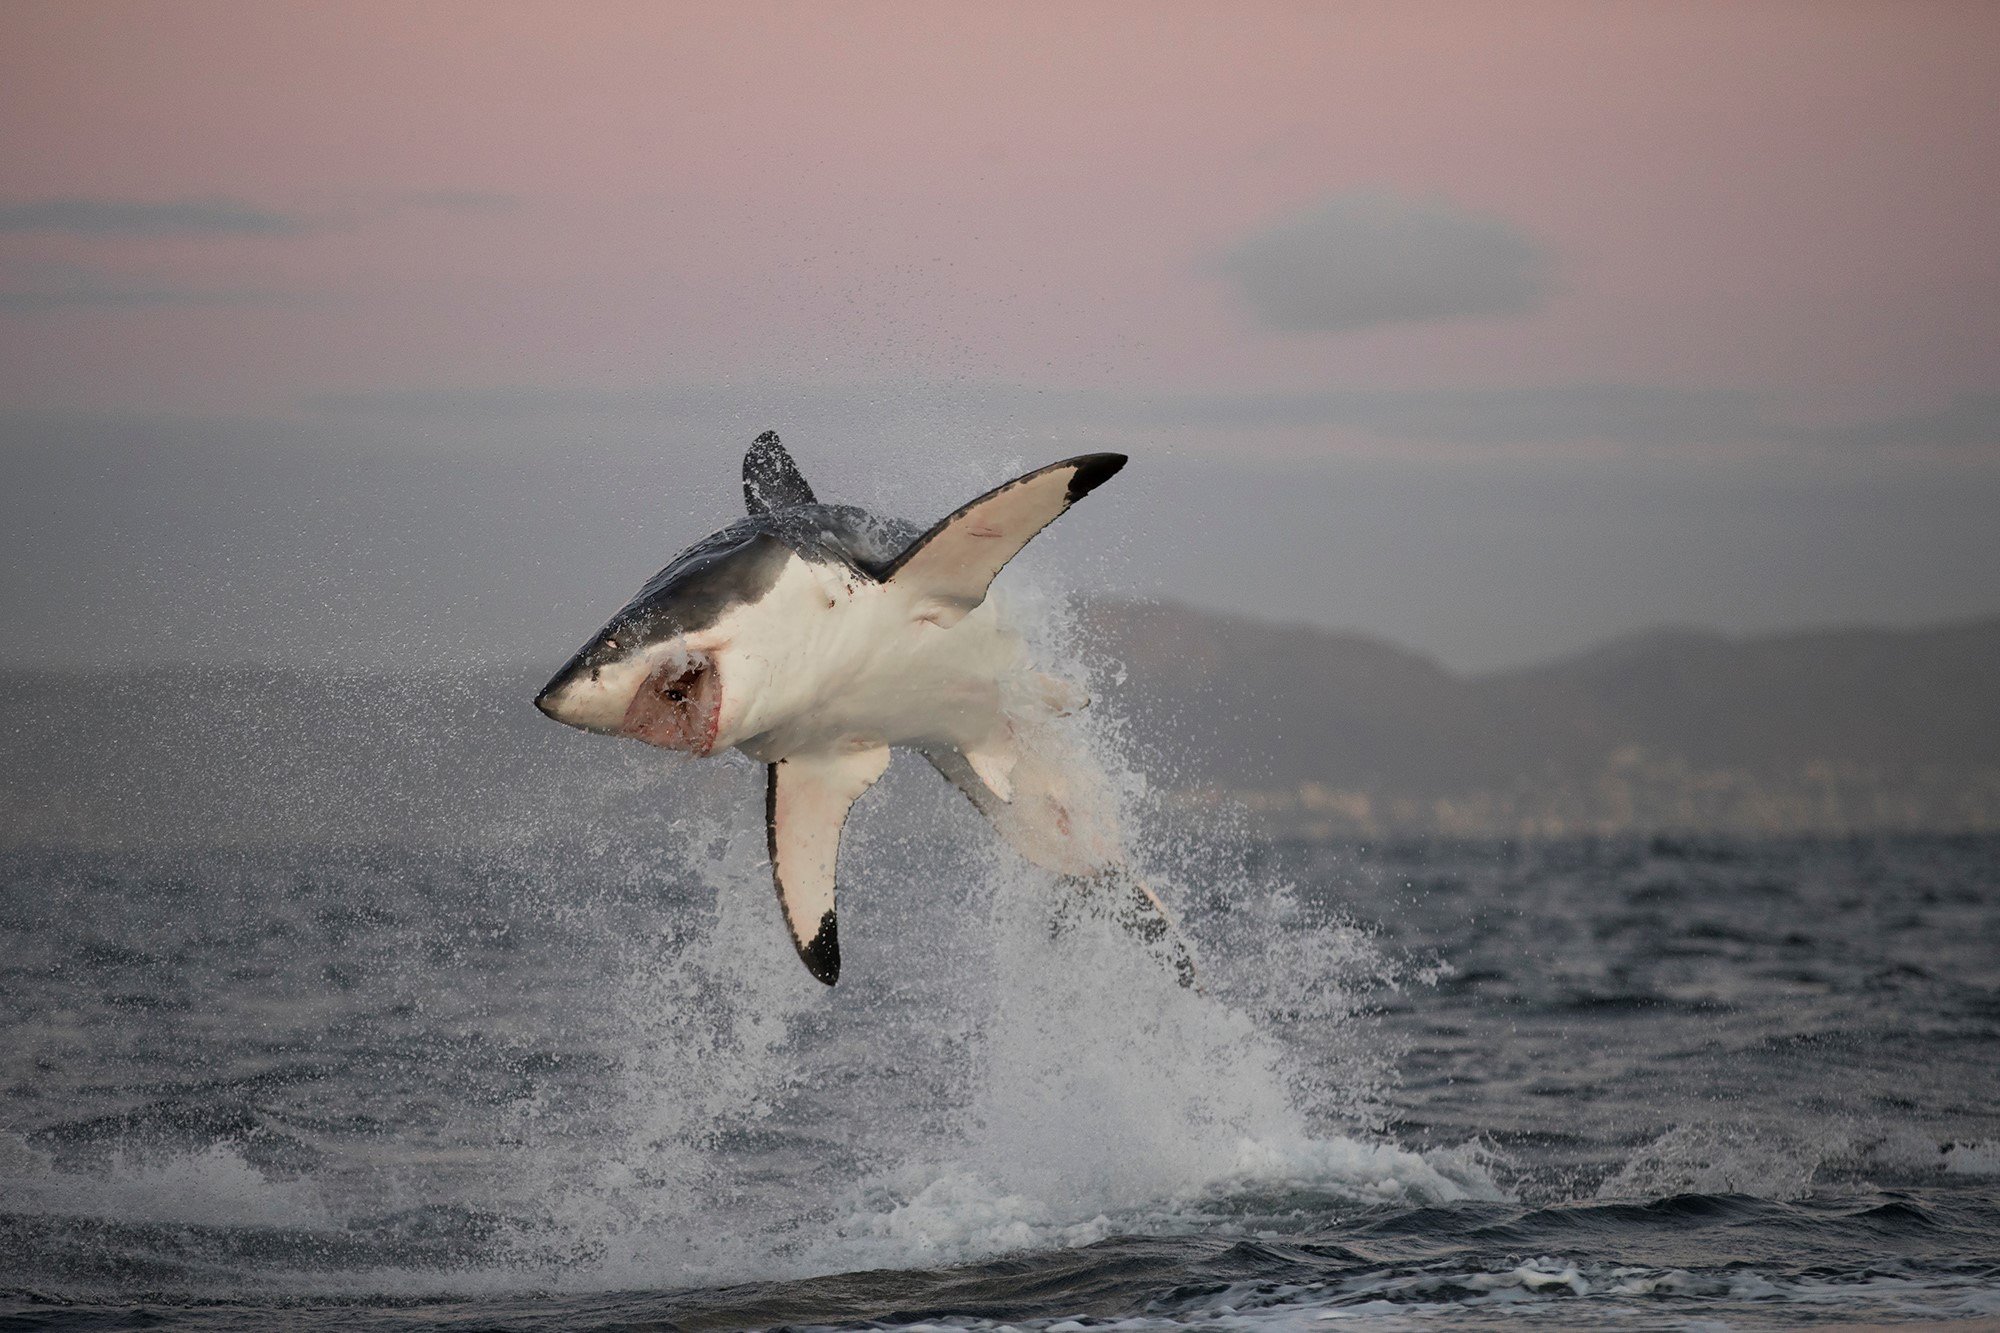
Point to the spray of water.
(992, 1073)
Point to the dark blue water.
(538, 1080)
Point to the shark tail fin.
(771, 480)
(1094, 877)
(950, 567)
(1136, 909)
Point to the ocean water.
(541, 1079)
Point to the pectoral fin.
(805, 806)
(950, 567)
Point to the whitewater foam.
(1973, 1159)
(211, 1187)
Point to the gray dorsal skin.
(771, 480)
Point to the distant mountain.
(1319, 733)
(1825, 732)
(1873, 697)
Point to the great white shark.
(815, 637)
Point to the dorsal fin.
(771, 479)
(950, 567)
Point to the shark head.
(666, 670)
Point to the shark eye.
(612, 644)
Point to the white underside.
(829, 661)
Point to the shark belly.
(859, 672)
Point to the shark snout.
(550, 697)
(591, 696)
(569, 696)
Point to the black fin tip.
(1092, 471)
(822, 955)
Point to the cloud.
(670, 401)
(1968, 421)
(1617, 413)
(53, 287)
(1636, 416)
(83, 216)
(77, 215)
(1550, 414)
(460, 201)
(1364, 259)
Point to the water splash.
(990, 1075)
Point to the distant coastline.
(1637, 793)
(1327, 735)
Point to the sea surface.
(568, 1078)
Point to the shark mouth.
(678, 706)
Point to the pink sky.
(1797, 200)
(1496, 329)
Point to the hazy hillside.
(1861, 696)
(1320, 733)
(1824, 732)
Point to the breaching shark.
(814, 637)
